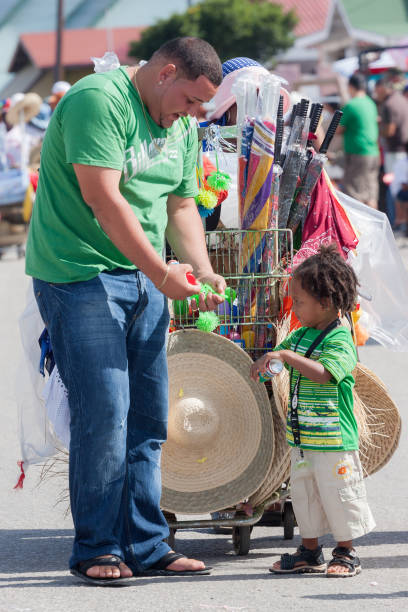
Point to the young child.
(327, 488)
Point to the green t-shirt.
(325, 411)
(100, 122)
(361, 126)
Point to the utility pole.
(58, 68)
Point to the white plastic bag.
(382, 275)
(56, 401)
(109, 61)
(38, 441)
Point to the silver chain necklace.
(159, 148)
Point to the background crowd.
(368, 158)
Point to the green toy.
(229, 295)
(207, 321)
(206, 198)
(219, 181)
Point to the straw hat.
(382, 419)
(280, 467)
(220, 435)
(29, 106)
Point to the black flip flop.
(81, 568)
(159, 568)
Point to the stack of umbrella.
(278, 171)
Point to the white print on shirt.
(135, 163)
(148, 155)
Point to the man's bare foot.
(109, 571)
(185, 564)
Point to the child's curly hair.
(327, 276)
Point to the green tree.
(256, 29)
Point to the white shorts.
(329, 495)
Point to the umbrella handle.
(315, 117)
(280, 108)
(303, 107)
(278, 140)
(331, 131)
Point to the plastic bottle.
(249, 338)
(273, 367)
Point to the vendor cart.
(249, 321)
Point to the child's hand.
(259, 366)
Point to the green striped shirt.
(325, 411)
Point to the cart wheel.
(288, 522)
(241, 538)
(171, 539)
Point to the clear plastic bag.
(109, 61)
(38, 441)
(382, 275)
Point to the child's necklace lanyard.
(294, 417)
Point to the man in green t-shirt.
(117, 174)
(359, 125)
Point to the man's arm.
(100, 190)
(185, 234)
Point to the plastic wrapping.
(295, 151)
(382, 275)
(109, 61)
(38, 441)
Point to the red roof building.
(313, 15)
(78, 46)
(34, 59)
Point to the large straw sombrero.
(26, 108)
(280, 467)
(382, 419)
(220, 436)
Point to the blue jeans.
(108, 338)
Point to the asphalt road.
(36, 536)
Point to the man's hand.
(210, 302)
(177, 286)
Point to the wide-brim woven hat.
(27, 108)
(382, 420)
(279, 471)
(220, 437)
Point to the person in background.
(58, 91)
(399, 190)
(393, 109)
(359, 126)
(117, 174)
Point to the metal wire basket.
(253, 262)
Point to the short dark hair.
(194, 57)
(326, 275)
(357, 80)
